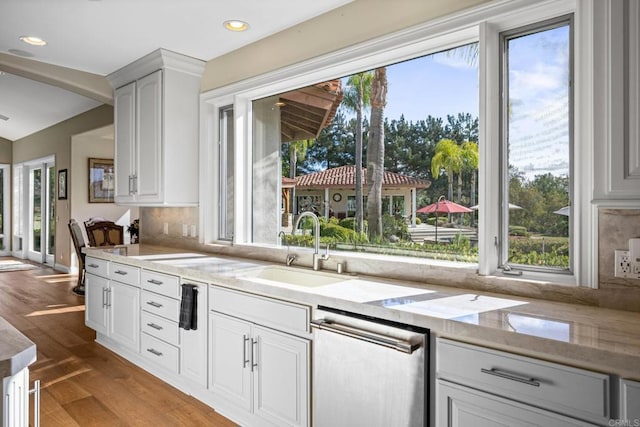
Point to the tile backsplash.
(615, 228)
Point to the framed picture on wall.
(62, 184)
(101, 181)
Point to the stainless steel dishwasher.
(368, 372)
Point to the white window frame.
(481, 24)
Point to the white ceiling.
(101, 36)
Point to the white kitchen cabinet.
(459, 406)
(630, 400)
(112, 306)
(262, 371)
(193, 343)
(522, 384)
(617, 89)
(156, 102)
(15, 399)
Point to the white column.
(326, 203)
(413, 208)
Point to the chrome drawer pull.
(254, 361)
(506, 375)
(154, 282)
(93, 265)
(36, 402)
(154, 352)
(120, 272)
(154, 304)
(154, 326)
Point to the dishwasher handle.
(372, 337)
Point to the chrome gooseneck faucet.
(316, 239)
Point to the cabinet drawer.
(125, 273)
(164, 284)
(629, 400)
(165, 355)
(281, 315)
(159, 327)
(571, 391)
(99, 267)
(160, 305)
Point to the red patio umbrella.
(443, 206)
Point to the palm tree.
(375, 152)
(447, 160)
(470, 161)
(297, 153)
(357, 98)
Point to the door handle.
(154, 326)
(154, 304)
(36, 402)
(509, 376)
(154, 352)
(154, 282)
(245, 340)
(120, 272)
(254, 352)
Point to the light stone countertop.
(16, 351)
(589, 337)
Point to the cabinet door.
(281, 377)
(96, 313)
(123, 302)
(125, 134)
(149, 137)
(15, 403)
(629, 400)
(230, 364)
(193, 343)
(458, 406)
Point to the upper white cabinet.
(617, 99)
(156, 130)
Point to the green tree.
(448, 161)
(357, 98)
(375, 153)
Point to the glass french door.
(5, 179)
(34, 211)
(42, 213)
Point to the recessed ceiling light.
(21, 52)
(33, 40)
(236, 25)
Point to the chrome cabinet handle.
(93, 265)
(154, 304)
(154, 352)
(36, 402)
(108, 298)
(245, 340)
(383, 340)
(120, 272)
(154, 326)
(509, 376)
(254, 351)
(154, 282)
(104, 297)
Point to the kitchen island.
(600, 340)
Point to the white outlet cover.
(185, 230)
(622, 264)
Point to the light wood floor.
(82, 383)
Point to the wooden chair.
(78, 244)
(104, 233)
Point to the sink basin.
(292, 276)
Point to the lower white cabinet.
(113, 309)
(500, 388)
(15, 399)
(262, 371)
(630, 401)
(460, 406)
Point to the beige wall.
(56, 141)
(353, 23)
(6, 151)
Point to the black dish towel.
(189, 307)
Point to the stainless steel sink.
(292, 276)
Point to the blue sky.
(435, 85)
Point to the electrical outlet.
(623, 264)
(194, 231)
(185, 230)
(166, 228)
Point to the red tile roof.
(344, 176)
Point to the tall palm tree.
(375, 152)
(357, 99)
(470, 161)
(297, 153)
